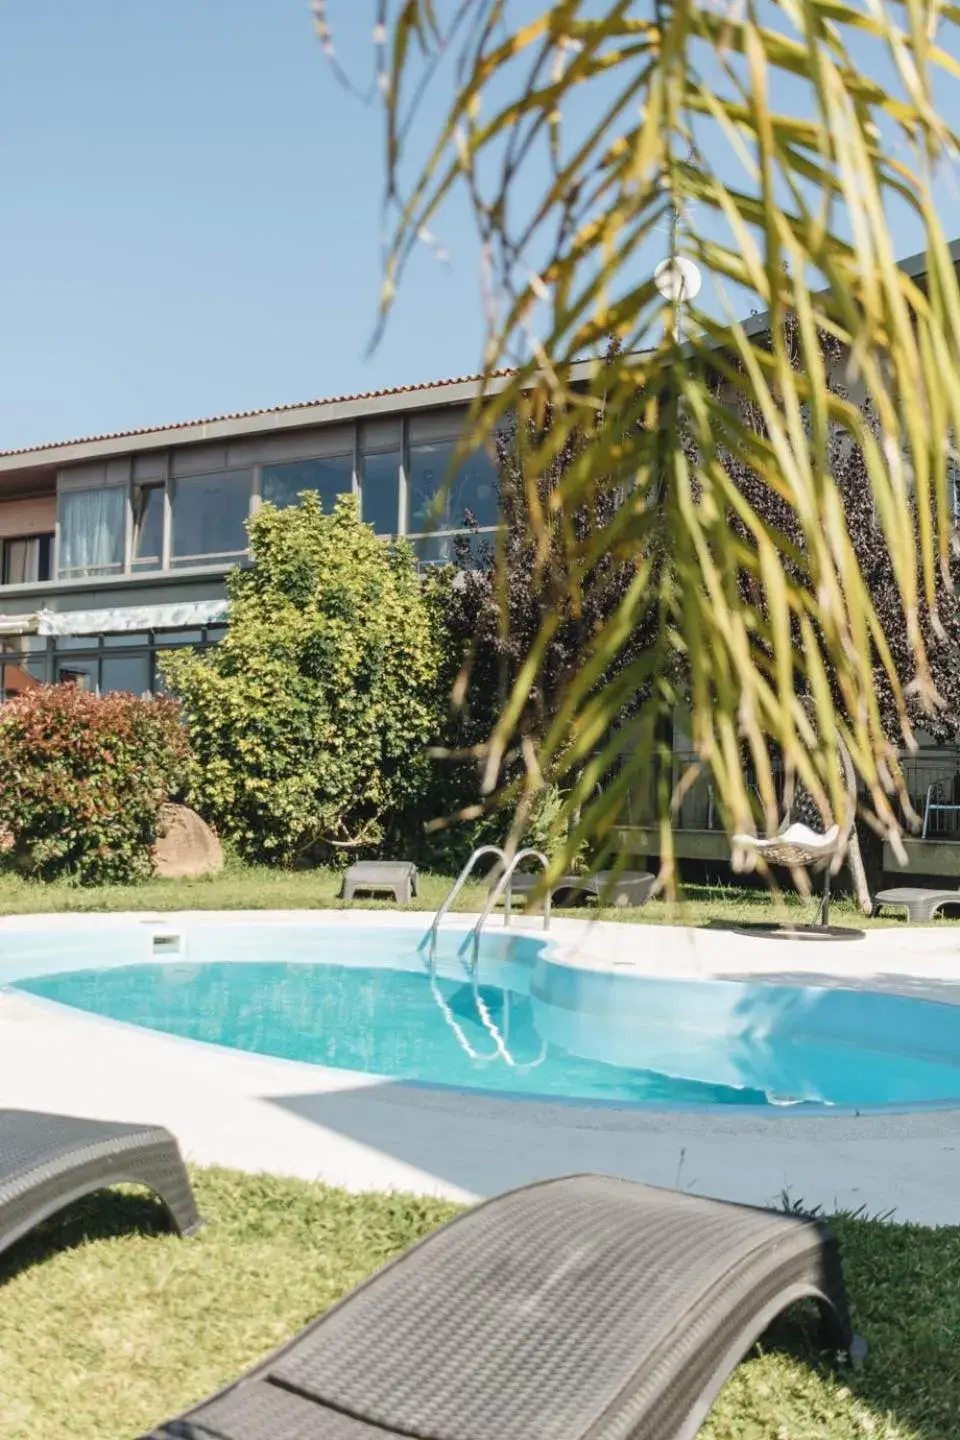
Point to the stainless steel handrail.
(501, 885)
(458, 885)
(500, 1041)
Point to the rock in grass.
(186, 846)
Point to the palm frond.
(775, 141)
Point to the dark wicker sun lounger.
(620, 888)
(921, 905)
(573, 1308)
(48, 1161)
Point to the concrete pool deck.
(256, 1113)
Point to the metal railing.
(457, 886)
(501, 885)
(933, 784)
(500, 1039)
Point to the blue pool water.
(366, 1000)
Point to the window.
(79, 670)
(23, 664)
(381, 492)
(125, 672)
(442, 499)
(209, 515)
(26, 560)
(122, 661)
(283, 485)
(147, 527)
(123, 640)
(92, 524)
(170, 638)
(441, 549)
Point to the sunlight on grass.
(108, 1324)
(242, 887)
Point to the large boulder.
(186, 846)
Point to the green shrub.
(310, 721)
(82, 780)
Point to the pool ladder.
(502, 885)
(458, 885)
(501, 1042)
(508, 868)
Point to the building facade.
(115, 548)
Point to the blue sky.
(191, 219)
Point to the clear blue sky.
(191, 219)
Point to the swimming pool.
(521, 1022)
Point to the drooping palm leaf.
(767, 142)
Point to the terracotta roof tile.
(250, 414)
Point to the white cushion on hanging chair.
(794, 845)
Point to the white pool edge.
(257, 1113)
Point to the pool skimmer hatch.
(167, 942)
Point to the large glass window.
(92, 524)
(26, 560)
(147, 527)
(381, 491)
(125, 672)
(283, 485)
(209, 512)
(442, 498)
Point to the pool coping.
(233, 1108)
(677, 951)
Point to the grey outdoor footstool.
(48, 1161)
(580, 1309)
(921, 905)
(397, 876)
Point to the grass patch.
(108, 1325)
(250, 887)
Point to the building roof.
(335, 407)
(462, 388)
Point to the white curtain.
(21, 561)
(92, 531)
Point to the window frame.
(374, 435)
(39, 536)
(195, 560)
(349, 455)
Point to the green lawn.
(108, 1325)
(243, 887)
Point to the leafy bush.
(82, 780)
(310, 721)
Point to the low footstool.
(399, 877)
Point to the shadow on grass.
(797, 1334)
(103, 1215)
(799, 929)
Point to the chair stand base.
(773, 931)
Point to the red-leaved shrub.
(82, 780)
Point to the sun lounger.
(573, 1308)
(48, 1161)
(609, 887)
(921, 905)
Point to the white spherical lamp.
(677, 279)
